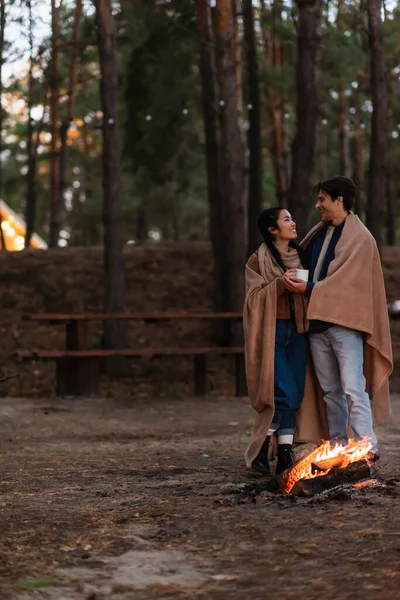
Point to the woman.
(276, 344)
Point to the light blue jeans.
(338, 357)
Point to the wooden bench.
(78, 367)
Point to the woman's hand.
(294, 285)
(291, 273)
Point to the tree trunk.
(344, 156)
(55, 209)
(237, 52)
(142, 226)
(30, 207)
(238, 60)
(69, 113)
(233, 214)
(2, 27)
(276, 104)
(390, 212)
(114, 333)
(358, 172)
(344, 150)
(323, 147)
(254, 201)
(358, 147)
(213, 158)
(303, 151)
(378, 148)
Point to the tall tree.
(378, 144)
(254, 201)
(211, 132)
(303, 151)
(69, 112)
(31, 196)
(391, 229)
(55, 208)
(2, 49)
(114, 333)
(275, 100)
(233, 176)
(322, 145)
(358, 147)
(344, 150)
(237, 45)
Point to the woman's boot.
(260, 463)
(285, 458)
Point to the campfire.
(326, 467)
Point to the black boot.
(260, 463)
(285, 458)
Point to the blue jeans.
(289, 375)
(338, 355)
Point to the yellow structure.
(14, 229)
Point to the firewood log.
(351, 474)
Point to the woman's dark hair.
(338, 186)
(269, 218)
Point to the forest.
(267, 97)
(139, 142)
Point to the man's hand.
(294, 285)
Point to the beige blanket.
(264, 282)
(353, 295)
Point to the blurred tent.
(14, 229)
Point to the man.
(349, 328)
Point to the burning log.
(353, 473)
(329, 464)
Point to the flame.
(303, 469)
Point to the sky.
(17, 33)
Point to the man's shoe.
(260, 463)
(285, 458)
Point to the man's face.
(328, 208)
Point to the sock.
(287, 438)
(271, 431)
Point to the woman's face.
(286, 227)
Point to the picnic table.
(78, 366)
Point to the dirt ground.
(104, 499)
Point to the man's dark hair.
(338, 186)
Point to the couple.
(340, 315)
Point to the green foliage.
(163, 162)
(163, 131)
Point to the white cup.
(302, 274)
